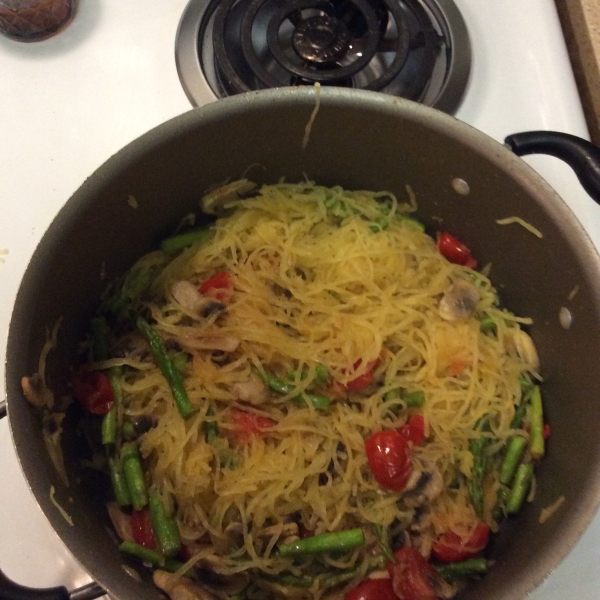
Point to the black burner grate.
(417, 49)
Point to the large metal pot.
(359, 140)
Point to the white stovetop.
(68, 103)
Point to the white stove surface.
(70, 102)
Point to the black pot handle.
(9, 590)
(582, 156)
(2, 408)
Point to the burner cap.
(414, 49)
(321, 39)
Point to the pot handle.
(582, 156)
(9, 590)
(2, 408)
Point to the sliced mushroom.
(253, 390)
(180, 588)
(210, 340)
(215, 202)
(35, 390)
(192, 301)
(519, 345)
(121, 522)
(459, 301)
(423, 487)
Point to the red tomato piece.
(456, 367)
(390, 459)
(247, 425)
(547, 431)
(414, 430)
(141, 526)
(456, 252)
(413, 578)
(362, 381)
(372, 589)
(219, 287)
(94, 392)
(451, 547)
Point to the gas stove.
(121, 68)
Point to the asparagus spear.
(134, 475)
(165, 528)
(537, 425)
(478, 449)
(514, 452)
(281, 387)
(339, 578)
(150, 556)
(469, 568)
(520, 488)
(326, 542)
(119, 482)
(175, 243)
(167, 367)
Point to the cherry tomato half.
(141, 527)
(362, 381)
(94, 392)
(451, 547)
(413, 578)
(390, 459)
(248, 424)
(456, 252)
(372, 589)
(414, 430)
(219, 287)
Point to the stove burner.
(417, 49)
(321, 39)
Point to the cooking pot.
(464, 182)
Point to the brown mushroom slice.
(180, 588)
(216, 201)
(423, 486)
(519, 344)
(210, 340)
(35, 390)
(121, 522)
(193, 302)
(459, 301)
(253, 391)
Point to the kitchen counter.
(580, 21)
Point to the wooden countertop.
(580, 20)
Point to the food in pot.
(311, 398)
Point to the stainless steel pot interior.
(359, 140)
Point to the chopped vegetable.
(281, 387)
(372, 589)
(520, 488)
(165, 528)
(414, 430)
(390, 459)
(514, 452)
(174, 244)
(167, 367)
(219, 287)
(326, 542)
(141, 527)
(94, 392)
(364, 380)
(134, 475)
(248, 424)
(465, 569)
(413, 578)
(119, 482)
(478, 448)
(451, 547)
(456, 252)
(537, 425)
(150, 556)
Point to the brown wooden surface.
(580, 21)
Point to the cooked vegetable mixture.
(311, 398)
